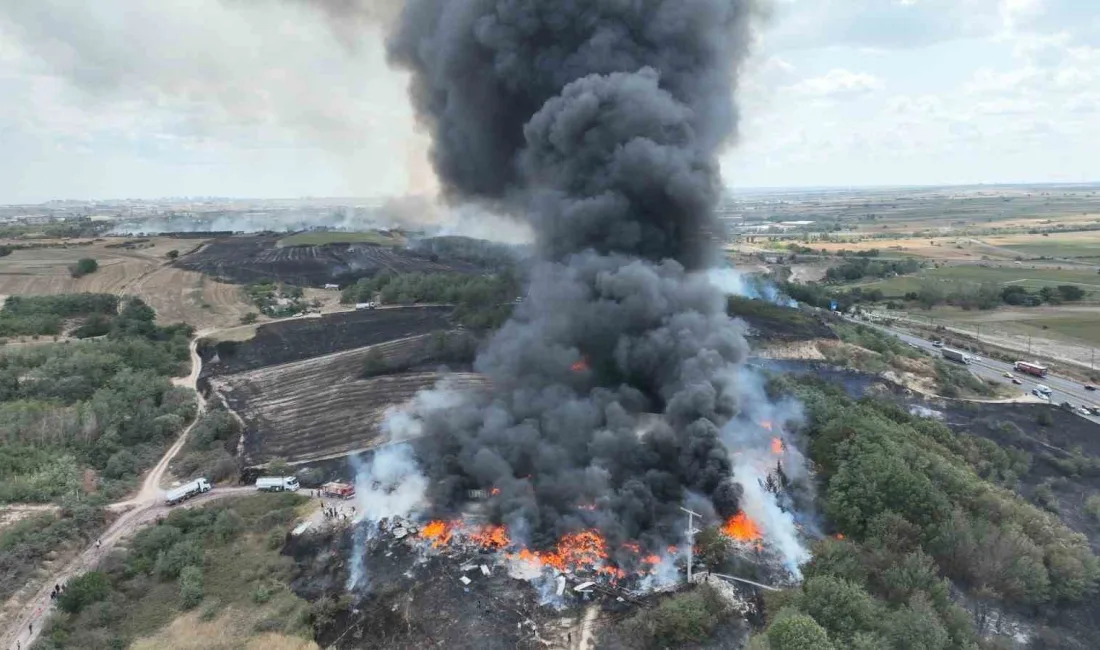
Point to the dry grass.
(232, 630)
(143, 271)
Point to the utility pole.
(1029, 345)
(691, 537)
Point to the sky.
(273, 98)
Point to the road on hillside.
(1064, 390)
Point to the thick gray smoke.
(601, 121)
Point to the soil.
(306, 338)
(257, 258)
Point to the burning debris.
(600, 123)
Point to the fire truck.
(1031, 368)
(337, 490)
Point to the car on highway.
(1037, 393)
(937, 344)
(1009, 375)
(975, 358)
(1090, 387)
(1083, 411)
(1016, 381)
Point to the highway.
(1064, 390)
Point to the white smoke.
(750, 443)
(401, 423)
(729, 281)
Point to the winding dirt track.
(136, 512)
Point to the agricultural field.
(321, 238)
(250, 347)
(324, 407)
(1079, 245)
(260, 258)
(139, 268)
(1023, 275)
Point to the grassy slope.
(246, 603)
(1023, 276)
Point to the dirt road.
(136, 512)
(33, 616)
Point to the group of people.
(337, 512)
(57, 591)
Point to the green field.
(321, 238)
(1058, 248)
(1022, 275)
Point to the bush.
(249, 318)
(172, 254)
(1044, 419)
(685, 618)
(191, 587)
(797, 632)
(1092, 507)
(170, 563)
(84, 590)
(83, 266)
(228, 525)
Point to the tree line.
(915, 519)
(86, 417)
(481, 301)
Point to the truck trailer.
(955, 355)
(1031, 368)
(277, 484)
(186, 491)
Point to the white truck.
(277, 484)
(186, 491)
(361, 306)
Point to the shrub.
(83, 266)
(797, 632)
(1043, 419)
(249, 318)
(172, 254)
(688, 617)
(84, 590)
(182, 554)
(191, 591)
(1092, 507)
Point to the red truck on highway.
(1031, 368)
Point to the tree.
(797, 632)
(83, 266)
(1070, 293)
(172, 254)
(227, 525)
(171, 562)
(84, 590)
(841, 607)
(249, 318)
(191, 587)
(374, 363)
(916, 627)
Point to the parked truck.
(337, 490)
(186, 491)
(955, 355)
(277, 484)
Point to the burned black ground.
(246, 259)
(295, 340)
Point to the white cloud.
(838, 82)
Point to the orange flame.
(652, 559)
(494, 492)
(777, 446)
(439, 532)
(742, 529)
(493, 537)
(839, 536)
(580, 366)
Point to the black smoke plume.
(600, 121)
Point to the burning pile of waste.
(599, 124)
